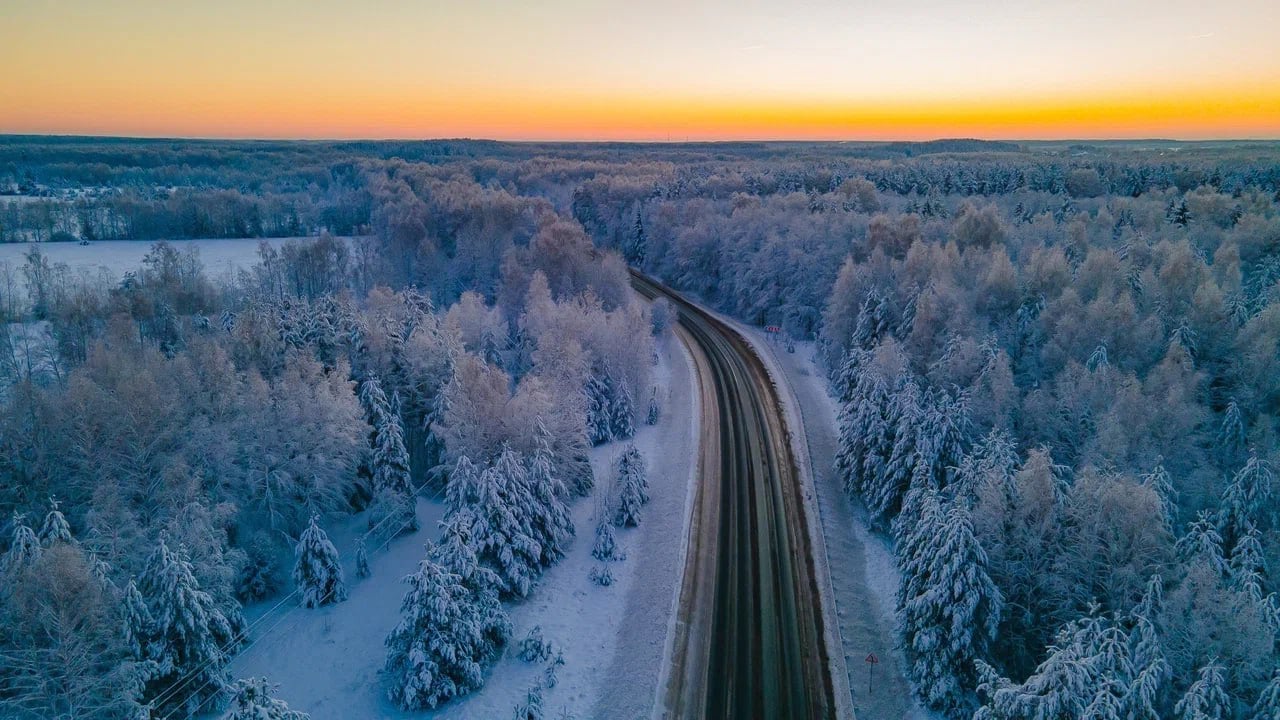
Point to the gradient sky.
(642, 70)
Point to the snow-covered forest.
(1057, 368)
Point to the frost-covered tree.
(55, 528)
(505, 539)
(551, 523)
(1063, 686)
(622, 413)
(1203, 543)
(456, 553)
(599, 392)
(1158, 479)
(631, 479)
(1207, 697)
(439, 650)
(191, 636)
(253, 699)
(1267, 706)
(317, 571)
(24, 549)
(948, 607)
(1246, 501)
(651, 418)
(1247, 566)
(606, 545)
(362, 559)
(139, 628)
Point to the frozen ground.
(862, 572)
(116, 257)
(327, 661)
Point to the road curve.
(749, 641)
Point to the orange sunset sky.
(714, 70)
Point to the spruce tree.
(317, 571)
(1160, 481)
(24, 550)
(1246, 501)
(606, 545)
(1268, 705)
(599, 392)
(456, 553)
(139, 628)
(633, 487)
(505, 539)
(252, 700)
(622, 413)
(390, 458)
(439, 649)
(1207, 697)
(652, 417)
(55, 528)
(362, 559)
(551, 523)
(949, 609)
(1203, 543)
(190, 634)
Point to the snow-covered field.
(116, 257)
(327, 661)
(863, 574)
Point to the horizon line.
(600, 141)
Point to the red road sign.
(871, 658)
(772, 329)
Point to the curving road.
(749, 641)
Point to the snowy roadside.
(862, 577)
(613, 639)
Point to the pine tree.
(138, 625)
(531, 708)
(252, 700)
(652, 417)
(599, 394)
(462, 488)
(633, 486)
(317, 570)
(390, 458)
(191, 635)
(621, 413)
(1268, 705)
(1149, 666)
(362, 559)
(55, 528)
(1159, 481)
(606, 545)
(24, 550)
(885, 487)
(1207, 697)
(504, 536)
(1202, 542)
(1246, 568)
(551, 522)
(439, 649)
(637, 246)
(456, 553)
(1064, 685)
(1232, 435)
(948, 609)
(1247, 501)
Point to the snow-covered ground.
(327, 661)
(116, 257)
(863, 575)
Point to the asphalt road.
(749, 641)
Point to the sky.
(647, 70)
